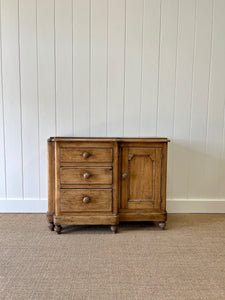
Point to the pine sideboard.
(106, 181)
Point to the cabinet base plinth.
(107, 220)
(86, 220)
(130, 217)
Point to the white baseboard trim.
(206, 206)
(173, 206)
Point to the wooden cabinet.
(106, 181)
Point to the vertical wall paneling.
(113, 68)
(222, 165)
(183, 97)
(99, 66)
(29, 98)
(200, 98)
(81, 64)
(214, 180)
(167, 71)
(64, 67)
(151, 40)
(167, 76)
(46, 83)
(3, 193)
(116, 37)
(11, 95)
(133, 64)
(2, 150)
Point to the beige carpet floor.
(186, 261)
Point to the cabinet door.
(141, 178)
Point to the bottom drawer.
(85, 200)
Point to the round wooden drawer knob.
(86, 154)
(86, 175)
(86, 199)
(124, 175)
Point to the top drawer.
(86, 155)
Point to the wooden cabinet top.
(110, 139)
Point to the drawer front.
(86, 200)
(86, 175)
(86, 155)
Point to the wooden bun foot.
(114, 228)
(51, 226)
(58, 228)
(162, 225)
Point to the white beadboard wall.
(113, 68)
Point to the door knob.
(124, 175)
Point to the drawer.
(85, 200)
(86, 155)
(86, 175)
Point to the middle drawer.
(86, 175)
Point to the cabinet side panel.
(164, 178)
(51, 180)
(57, 179)
(116, 178)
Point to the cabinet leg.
(58, 228)
(51, 226)
(162, 225)
(114, 228)
(50, 221)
